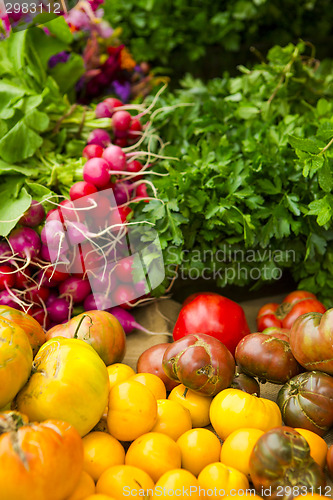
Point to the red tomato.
(284, 315)
(150, 361)
(211, 314)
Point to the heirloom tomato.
(329, 460)
(38, 460)
(119, 372)
(121, 478)
(32, 328)
(172, 418)
(201, 363)
(307, 400)
(211, 314)
(15, 360)
(281, 461)
(101, 451)
(318, 447)
(237, 448)
(84, 487)
(99, 329)
(285, 314)
(245, 383)
(153, 382)
(175, 482)
(150, 361)
(199, 447)
(311, 341)
(69, 382)
(233, 409)
(222, 479)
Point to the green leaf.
(10, 93)
(247, 112)
(15, 201)
(17, 48)
(325, 178)
(19, 143)
(303, 144)
(37, 120)
(67, 74)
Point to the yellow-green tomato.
(69, 382)
(15, 360)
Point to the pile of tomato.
(78, 424)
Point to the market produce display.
(113, 189)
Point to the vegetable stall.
(166, 314)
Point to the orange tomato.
(101, 451)
(32, 328)
(173, 419)
(179, 483)
(153, 382)
(154, 453)
(119, 372)
(124, 480)
(85, 486)
(98, 496)
(314, 496)
(15, 360)
(237, 448)
(224, 479)
(132, 410)
(38, 461)
(318, 447)
(197, 405)
(199, 447)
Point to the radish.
(115, 156)
(26, 243)
(37, 294)
(81, 189)
(121, 121)
(103, 110)
(76, 288)
(68, 211)
(6, 299)
(123, 294)
(121, 141)
(124, 213)
(134, 130)
(41, 316)
(134, 166)
(23, 278)
(122, 192)
(141, 191)
(123, 270)
(53, 214)
(96, 172)
(97, 301)
(112, 103)
(99, 137)
(103, 207)
(51, 298)
(92, 151)
(34, 215)
(53, 236)
(76, 232)
(7, 277)
(128, 321)
(59, 310)
(5, 250)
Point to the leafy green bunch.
(250, 190)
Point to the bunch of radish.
(46, 260)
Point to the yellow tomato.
(318, 447)
(15, 360)
(172, 418)
(123, 481)
(132, 410)
(154, 453)
(153, 382)
(224, 479)
(69, 383)
(313, 496)
(237, 448)
(197, 404)
(101, 451)
(179, 483)
(199, 447)
(242, 497)
(85, 487)
(233, 409)
(119, 372)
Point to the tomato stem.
(185, 392)
(80, 323)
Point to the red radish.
(54, 274)
(96, 171)
(123, 294)
(121, 141)
(22, 278)
(76, 288)
(7, 280)
(68, 211)
(25, 242)
(114, 221)
(124, 213)
(52, 297)
(103, 110)
(41, 316)
(122, 192)
(123, 270)
(115, 156)
(53, 235)
(97, 301)
(53, 214)
(121, 121)
(99, 137)
(5, 250)
(81, 189)
(110, 185)
(134, 166)
(126, 320)
(46, 281)
(112, 103)
(212, 314)
(6, 299)
(84, 258)
(51, 255)
(76, 232)
(36, 294)
(59, 310)
(103, 207)
(92, 151)
(34, 215)
(134, 129)
(141, 191)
